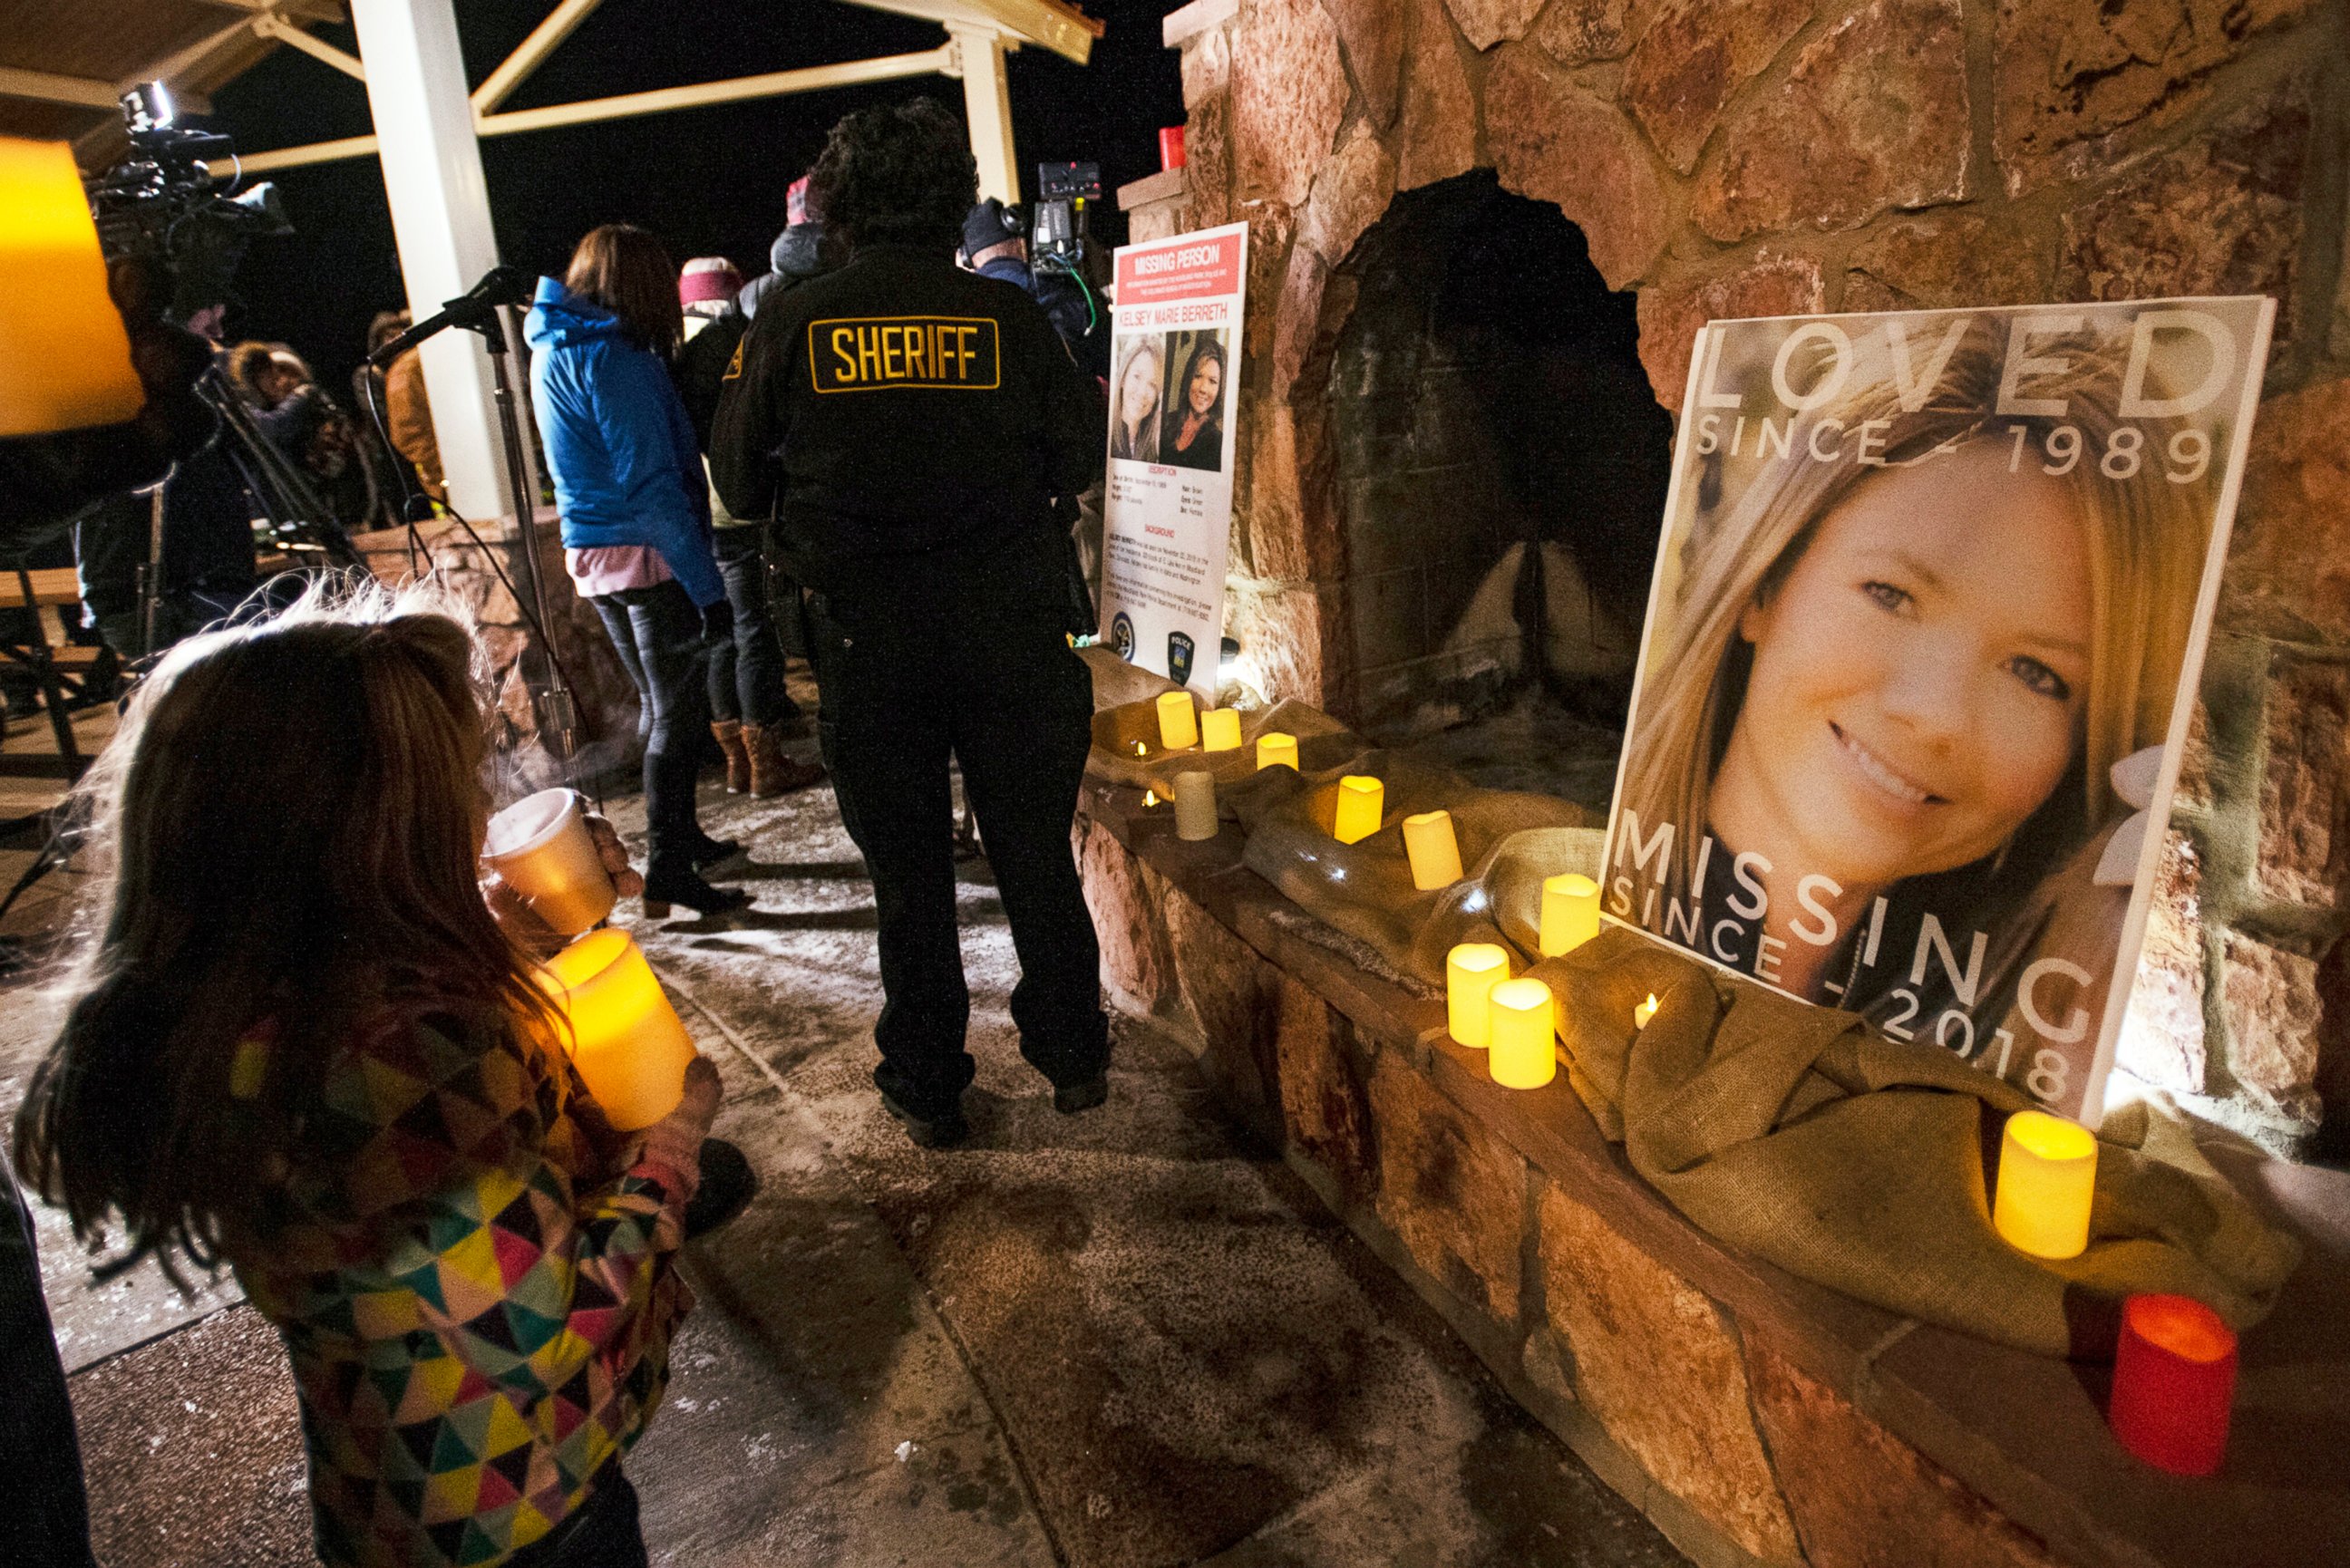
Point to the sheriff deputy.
(909, 425)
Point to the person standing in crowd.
(636, 523)
(393, 477)
(407, 415)
(803, 250)
(994, 245)
(304, 1042)
(913, 423)
(750, 713)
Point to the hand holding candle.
(626, 1041)
(2047, 1174)
(1434, 852)
(1276, 751)
(1179, 720)
(1523, 1022)
(1570, 913)
(1220, 730)
(1471, 972)
(1362, 802)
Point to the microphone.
(499, 285)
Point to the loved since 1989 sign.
(1930, 602)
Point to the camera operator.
(993, 245)
(917, 422)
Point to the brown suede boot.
(730, 737)
(772, 771)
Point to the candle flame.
(1150, 797)
(1645, 1010)
(1141, 750)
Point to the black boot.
(667, 884)
(728, 1183)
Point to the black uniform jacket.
(901, 407)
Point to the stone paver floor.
(1122, 1340)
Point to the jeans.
(603, 1534)
(968, 662)
(746, 675)
(48, 1516)
(658, 634)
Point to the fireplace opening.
(1500, 466)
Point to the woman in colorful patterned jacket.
(302, 1044)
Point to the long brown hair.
(283, 837)
(627, 272)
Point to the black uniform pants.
(970, 661)
(47, 1514)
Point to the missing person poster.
(1168, 500)
(1928, 609)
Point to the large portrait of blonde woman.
(1930, 599)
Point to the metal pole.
(558, 712)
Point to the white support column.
(441, 220)
(987, 105)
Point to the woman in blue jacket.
(636, 520)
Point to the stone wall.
(1773, 157)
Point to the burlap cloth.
(1791, 1133)
(1784, 1131)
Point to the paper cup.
(541, 847)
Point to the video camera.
(163, 203)
(1059, 231)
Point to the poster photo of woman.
(1192, 433)
(1931, 600)
(1136, 398)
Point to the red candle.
(1170, 147)
(2174, 1379)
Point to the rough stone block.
(1207, 65)
(1856, 1489)
(1349, 194)
(2221, 215)
(1207, 161)
(1289, 93)
(2305, 854)
(1297, 319)
(1658, 1365)
(1672, 311)
(2067, 73)
(1292, 637)
(1233, 998)
(1556, 141)
(1127, 900)
(1949, 260)
(1450, 1191)
(1873, 115)
(1371, 32)
(2289, 559)
(1324, 1108)
(1692, 59)
(2162, 1035)
(1577, 32)
(2273, 1010)
(1437, 137)
(1156, 221)
(1486, 23)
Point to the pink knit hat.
(706, 280)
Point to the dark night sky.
(708, 181)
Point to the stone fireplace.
(1442, 497)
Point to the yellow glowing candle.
(1522, 1020)
(1149, 798)
(1276, 751)
(64, 360)
(1220, 730)
(1434, 852)
(1644, 1011)
(1179, 720)
(1570, 913)
(627, 1042)
(1471, 972)
(2047, 1174)
(1361, 802)
(1195, 806)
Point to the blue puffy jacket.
(619, 443)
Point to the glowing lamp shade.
(1570, 913)
(1220, 730)
(1434, 852)
(1523, 1018)
(1644, 1010)
(1362, 801)
(627, 1042)
(1179, 720)
(64, 360)
(1471, 972)
(1195, 806)
(2047, 1174)
(1276, 751)
(2174, 1380)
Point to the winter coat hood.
(559, 318)
(798, 251)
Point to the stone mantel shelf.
(2025, 1432)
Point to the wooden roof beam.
(45, 86)
(301, 10)
(544, 40)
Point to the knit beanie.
(711, 281)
